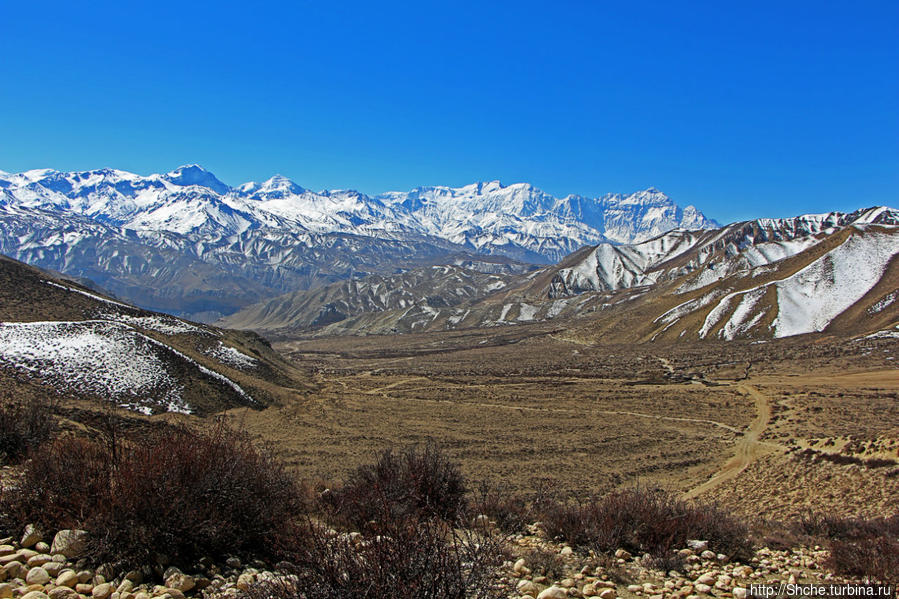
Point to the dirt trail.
(666, 364)
(515, 408)
(379, 390)
(748, 448)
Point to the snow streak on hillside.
(818, 293)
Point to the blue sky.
(743, 109)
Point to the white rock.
(697, 545)
(37, 575)
(553, 592)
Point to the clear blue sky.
(744, 109)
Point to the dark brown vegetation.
(419, 482)
(182, 493)
(411, 558)
(414, 541)
(858, 546)
(24, 425)
(644, 520)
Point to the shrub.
(876, 557)
(509, 511)
(23, 427)
(185, 493)
(419, 482)
(410, 559)
(644, 520)
(546, 563)
(858, 546)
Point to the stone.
(739, 593)
(35, 595)
(7, 550)
(126, 586)
(622, 554)
(31, 537)
(553, 592)
(15, 569)
(67, 578)
(707, 578)
(608, 594)
(84, 588)
(566, 551)
(245, 581)
(102, 591)
(54, 568)
(70, 543)
(5, 590)
(589, 590)
(232, 562)
(62, 593)
(181, 582)
(38, 560)
(526, 587)
(697, 545)
(37, 575)
(519, 565)
(702, 588)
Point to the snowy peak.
(194, 174)
(518, 220)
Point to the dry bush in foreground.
(23, 427)
(876, 558)
(509, 511)
(644, 520)
(418, 482)
(858, 546)
(184, 493)
(414, 559)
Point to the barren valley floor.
(753, 426)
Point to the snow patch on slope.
(98, 357)
(230, 356)
(810, 299)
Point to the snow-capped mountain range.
(186, 243)
(517, 220)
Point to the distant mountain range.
(185, 243)
(759, 279)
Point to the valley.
(531, 410)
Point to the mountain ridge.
(185, 243)
(756, 279)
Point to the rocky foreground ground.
(40, 566)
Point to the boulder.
(553, 592)
(37, 575)
(70, 543)
(31, 537)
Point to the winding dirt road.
(748, 448)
